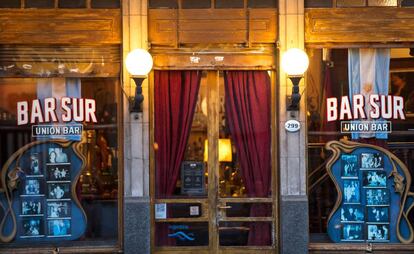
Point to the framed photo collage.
(365, 207)
(45, 195)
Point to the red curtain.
(175, 98)
(327, 92)
(248, 112)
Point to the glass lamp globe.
(139, 62)
(295, 62)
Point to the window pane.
(262, 4)
(241, 138)
(244, 209)
(181, 234)
(333, 82)
(196, 4)
(382, 3)
(238, 233)
(229, 3)
(189, 177)
(10, 4)
(318, 3)
(40, 4)
(72, 3)
(56, 177)
(350, 3)
(102, 4)
(163, 4)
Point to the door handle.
(224, 207)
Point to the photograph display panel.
(365, 183)
(44, 207)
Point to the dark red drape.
(327, 92)
(248, 113)
(174, 105)
(175, 97)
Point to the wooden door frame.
(213, 176)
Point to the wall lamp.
(138, 63)
(295, 62)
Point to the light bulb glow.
(295, 62)
(139, 62)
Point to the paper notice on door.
(194, 211)
(161, 211)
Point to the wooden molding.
(173, 27)
(359, 26)
(60, 26)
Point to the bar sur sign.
(382, 106)
(71, 109)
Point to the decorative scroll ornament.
(14, 174)
(391, 196)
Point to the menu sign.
(44, 200)
(192, 178)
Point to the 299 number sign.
(292, 125)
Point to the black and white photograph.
(58, 172)
(35, 165)
(58, 209)
(352, 213)
(32, 206)
(377, 197)
(378, 232)
(58, 191)
(372, 160)
(378, 214)
(352, 232)
(32, 227)
(56, 155)
(59, 227)
(349, 165)
(351, 191)
(32, 187)
(374, 178)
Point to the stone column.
(136, 137)
(292, 146)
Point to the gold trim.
(348, 147)
(78, 151)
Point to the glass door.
(224, 200)
(245, 192)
